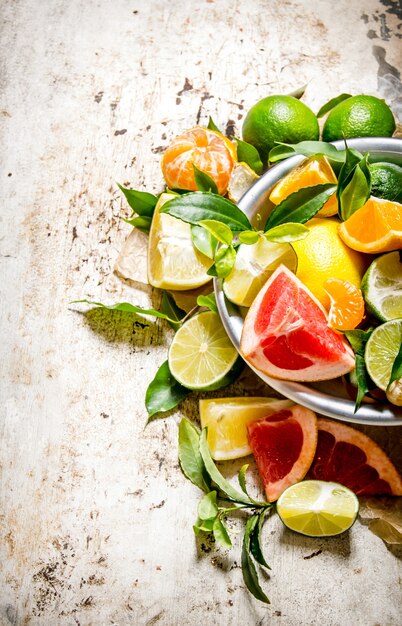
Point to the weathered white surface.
(96, 516)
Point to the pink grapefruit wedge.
(286, 333)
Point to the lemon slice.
(201, 355)
(173, 262)
(241, 179)
(227, 420)
(381, 351)
(317, 508)
(253, 266)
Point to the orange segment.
(374, 228)
(313, 171)
(208, 150)
(347, 304)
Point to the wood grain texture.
(96, 516)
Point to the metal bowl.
(328, 397)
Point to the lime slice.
(382, 287)
(201, 355)
(253, 266)
(173, 262)
(381, 351)
(241, 179)
(317, 508)
(227, 420)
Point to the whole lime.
(359, 116)
(386, 181)
(279, 119)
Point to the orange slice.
(208, 150)
(374, 228)
(313, 171)
(347, 304)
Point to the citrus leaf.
(215, 474)
(299, 92)
(249, 237)
(208, 301)
(203, 241)
(362, 379)
(242, 482)
(291, 231)
(249, 571)
(190, 457)
(164, 392)
(170, 308)
(205, 526)
(356, 191)
(255, 538)
(213, 126)
(246, 153)
(203, 181)
(207, 507)
(142, 202)
(306, 148)
(301, 205)
(126, 307)
(396, 372)
(196, 206)
(142, 222)
(220, 231)
(221, 533)
(332, 103)
(346, 174)
(358, 339)
(225, 258)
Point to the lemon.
(279, 119)
(227, 420)
(253, 266)
(381, 351)
(359, 116)
(241, 179)
(201, 355)
(386, 181)
(173, 262)
(323, 255)
(382, 287)
(317, 508)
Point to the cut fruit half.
(227, 420)
(348, 456)
(201, 355)
(283, 445)
(381, 351)
(382, 286)
(347, 304)
(286, 334)
(318, 509)
(173, 262)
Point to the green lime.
(317, 508)
(386, 181)
(254, 264)
(382, 287)
(202, 356)
(381, 351)
(359, 116)
(279, 119)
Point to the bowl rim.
(302, 393)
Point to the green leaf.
(301, 205)
(203, 241)
(205, 526)
(362, 379)
(291, 231)
(221, 533)
(358, 339)
(170, 308)
(142, 202)
(242, 482)
(249, 237)
(143, 223)
(346, 173)
(220, 231)
(356, 192)
(164, 392)
(215, 474)
(213, 126)
(306, 148)
(249, 571)
(208, 301)
(396, 372)
(255, 538)
(126, 307)
(212, 271)
(299, 92)
(207, 507)
(203, 181)
(225, 258)
(332, 103)
(246, 153)
(190, 456)
(196, 206)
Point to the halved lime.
(381, 351)
(201, 355)
(253, 266)
(382, 286)
(318, 508)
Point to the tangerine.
(347, 304)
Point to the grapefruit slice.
(283, 445)
(349, 457)
(286, 333)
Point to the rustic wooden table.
(96, 516)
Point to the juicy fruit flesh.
(347, 304)
(381, 351)
(318, 509)
(359, 116)
(382, 286)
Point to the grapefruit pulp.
(283, 445)
(351, 458)
(286, 334)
